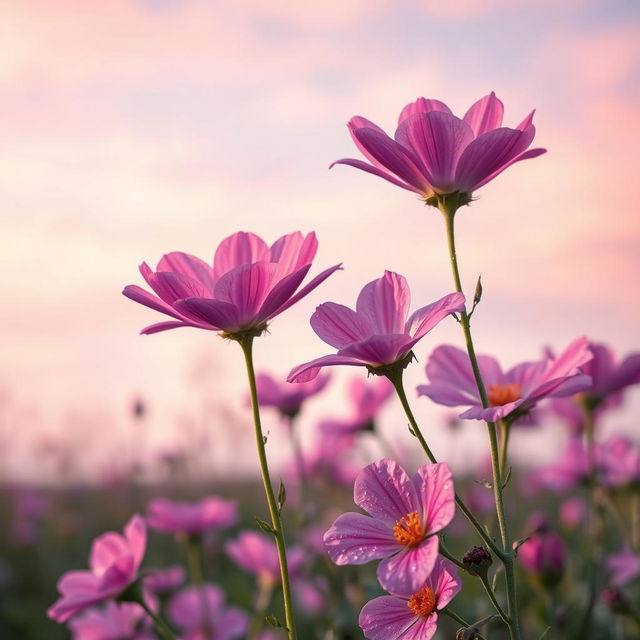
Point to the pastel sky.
(135, 127)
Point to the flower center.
(409, 529)
(422, 602)
(499, 394)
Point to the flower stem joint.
(477, 561)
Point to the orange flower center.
(499, 394)
(422, 602)
(409, 529)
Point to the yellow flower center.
(499, 394)
(423, 602)
(409, 529)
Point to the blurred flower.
(405, 516)
(435, 153)
(378, 333)
(201, 614)
(287, 398)
(248, 285)
(543, 553)
(452, 382)
(624, 567)
(114, 562)
(570, 470)
(412, 616)
(367, 396)
(191, 518)
(29, 507)
(114, 621)
(616, 600)
(257, 554)
(164, 580)
(620, 462)
(572, 512)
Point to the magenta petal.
(434, 486)
(105, 550)
(308, 288)
(238, 249)
(309, 370)
(379, 350)
(626, 374)
(531, 153)
(338, 325)
(490, 154)
(217, 314)
(385, 304)
(294, 250)
(358, 122)
(386, 618)
(394, 157)
(491, 414)
(444, 581)
(424, 629)
(189, 266)
(485, 115)
(384, 490)
(357, 539)
(363, 166)
(175, 286)
(407, 571)
(165, 326)
(426, 318)
(281, 293)
(438, 139)
(138, 294)
(422, 105)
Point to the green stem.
(449, 206)
(396, 380)
(459, 620)
(247, 348)
(300, 468)
(161, 626)
(494, 600)
(505, 432)
(262, 602)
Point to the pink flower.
(572, 512)
(406, 513)
(412, 616)
(192, 518)
(516, 390)
(285, 397)
(378, 333)
(201, 614)
(114, 563)
(366, 398)
(620, 462)
(570, 470)
(624, 567)
(165, 580)
(248, 284)
(435, 153)
(257, 554)
(543, 553)
(114, 621)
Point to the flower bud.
(615, 600)
(477, 561)
(543, 555)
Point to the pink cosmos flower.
(165, 580)
(620, 462)
(192, 518)
(367, 397)
(114, 564)
(518, 389)
(414, 615)
(285, 397)
(543, 553)
(406, 513)
(377, 333)
(435, 153)
(572, 512)
(120, 621)
(570, 470)
(257, 554)
(215, 621)
(624, 567)
(248, 284)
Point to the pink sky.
(132, 128)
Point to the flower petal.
(139, 295)
(281, 293)
(294, 250)
(189, 266)
(217, 314)
(407, 571)
(357, 539)
(434, 486)
(444, 581)
(384, 302)
(363, 166)
(175, 286)
(422, 105)
(309, 370)
(384, 490)
(379, 350)
(239, 249)
(485, 115)
(165, 326)
(426, 318)
(338, 325)
(386, 618)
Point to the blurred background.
(136, 127)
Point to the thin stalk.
(459, 620)
(448, 208)
(262, 602)
(161, 626)
(247, 348)
(301, 469)
(494, 600)
(396, 380)
(196, 575)
(505, 432)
